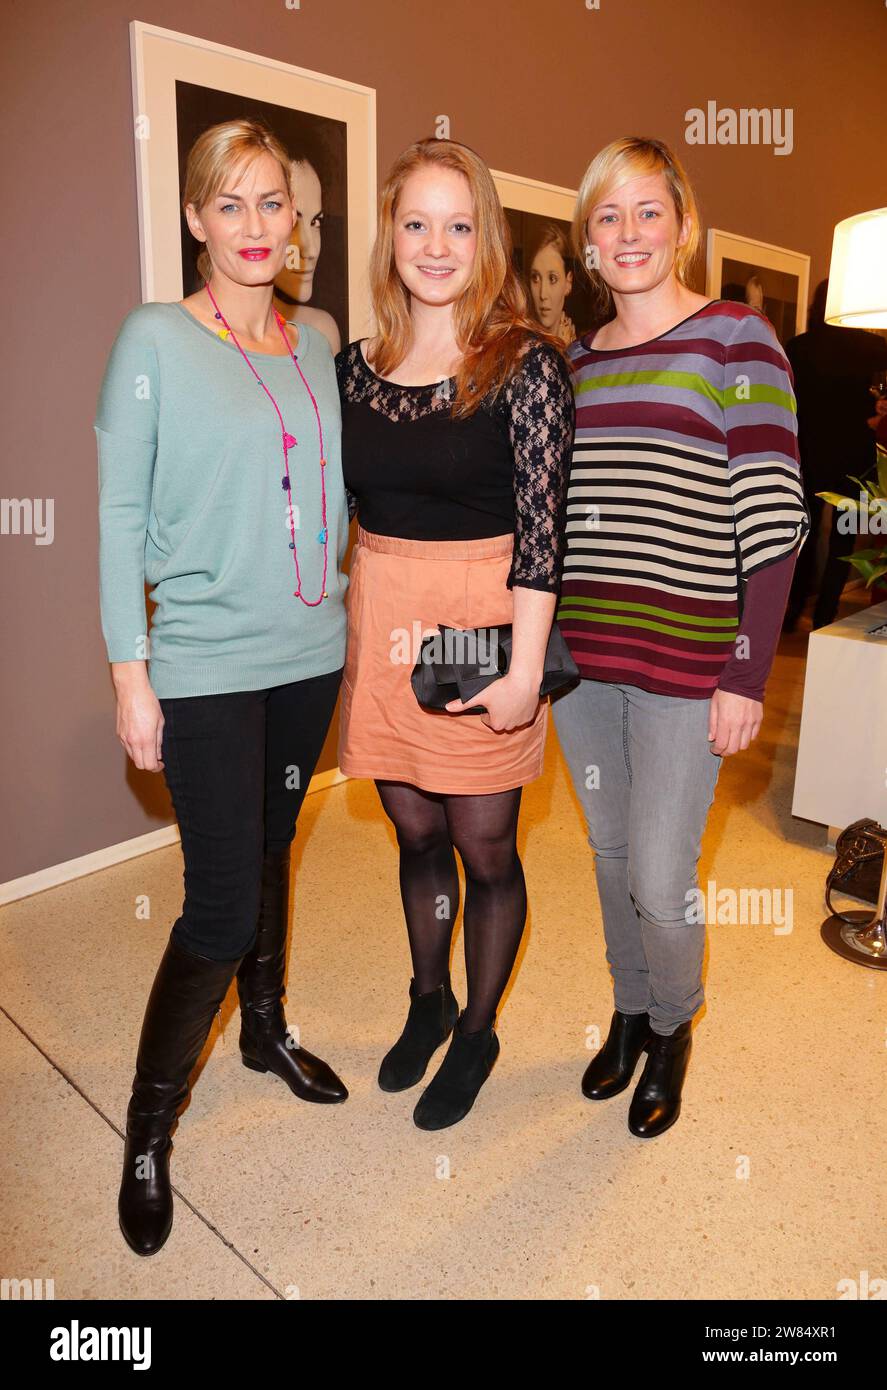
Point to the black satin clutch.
(458, 663)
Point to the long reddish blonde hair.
(491, 317)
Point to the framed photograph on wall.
(182, 85)
(540, 216)
(769, 278)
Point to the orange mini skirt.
(399, 591)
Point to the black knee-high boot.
(187, 993)
(265, 1042)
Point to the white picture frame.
(162, 57)
(529, 195)
(531, 206)
(727, 248)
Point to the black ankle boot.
(454, 1089)
(265, 1042)
(656, 1103)
(611, 1069)
(429, 1023)
(187, 993)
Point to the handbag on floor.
(462, 671)
(859, 863)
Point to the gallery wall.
(535, 88)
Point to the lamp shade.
(857, 283)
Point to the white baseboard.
(116, 854)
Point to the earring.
(592, 260)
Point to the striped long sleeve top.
(685, 481)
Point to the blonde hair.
(491, 318)
(632, 157)
(223, 152)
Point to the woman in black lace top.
(498, 471)
(457, 429)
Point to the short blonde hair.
(223, 152)
(632, 157)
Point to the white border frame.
(742, 248)
(529, 195)
(161, 56)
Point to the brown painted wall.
(537, 88)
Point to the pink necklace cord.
(288, 441)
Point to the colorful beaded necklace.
(289, 441)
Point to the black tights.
(484, 831)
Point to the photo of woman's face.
(550, 283)
(754, 294)
(297, 277)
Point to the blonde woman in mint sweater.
(218, 431)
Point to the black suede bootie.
(187, 993)
(454, 1089)
(265, 1042)
(429, 1023)
(656, 1103)
(611, 1069)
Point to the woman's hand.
(512, 701)
(139, 716)
(733, 721)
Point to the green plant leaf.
(868, 488)
(871, 555)
(871, 564)
(838, 499)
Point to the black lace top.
(412, 470)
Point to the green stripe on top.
(680, 381)
(758, 394)
(673, 614)
(565, 611)
(745, 393)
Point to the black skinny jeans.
(237, 767)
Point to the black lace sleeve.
(344, 362)
(538, 409)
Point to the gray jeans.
(643, 771)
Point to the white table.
(842, 752)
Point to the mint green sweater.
(191, 500)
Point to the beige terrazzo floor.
(538, 1193)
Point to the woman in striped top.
(685, 514)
